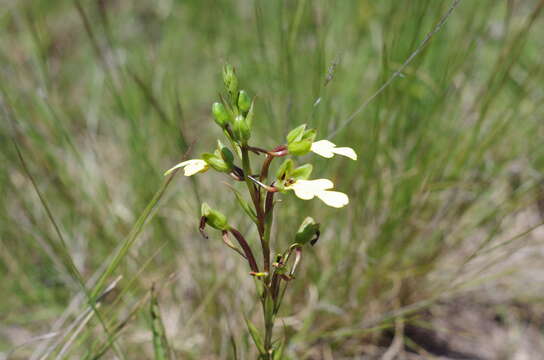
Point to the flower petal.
(345, 151)
(335, 199)
(303, 192)
(323, 148)
(317, 184)
(192, 167)
(307, 189)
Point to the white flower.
(327, 149)
(308, 189)
(191, 167)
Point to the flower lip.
(327, 149)
(191, 167)
(308, 189)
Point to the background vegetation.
(98, 98)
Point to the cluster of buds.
(234, 114)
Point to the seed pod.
(244, 101)
(220, 114)
(214, 218)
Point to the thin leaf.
(244, 204)
(160, 343)
(256, 336)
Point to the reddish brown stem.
(247, 250)
(266, 166)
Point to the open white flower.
(327, 149)
(191, 167)
(308, 189)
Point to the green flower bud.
(214, 218)
(220, 114)
(241, 129)
(244, 101)
(216, 162)
(299, 148)
(308, 231)
(230, 80)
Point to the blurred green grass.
(102, 97)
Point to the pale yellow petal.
(171, 170)
(345, 151)
(323, 148)
(303, 192)
(317, 184)
(192, 167)
(333, 198)
(307, 189)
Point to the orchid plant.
(234, 114)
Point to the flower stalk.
(235, 114)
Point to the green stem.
(269, 327)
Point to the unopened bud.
(241, 129)
(230, 80)
(244, 101)
(220, 114)
(214, 218)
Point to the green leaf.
(160, 343)
(256, 336)
(278, 352)
(302, 172)
(245, 205)
(295, 135)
